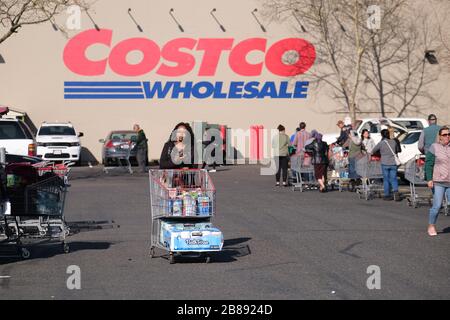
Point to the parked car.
(14, 158)
(116, 145)
(401, 125)
(16, 137)
(59, 142)
(410, 145)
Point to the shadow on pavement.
(51, 250)
(232, 249)
(446, 230)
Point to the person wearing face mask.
(178, 151)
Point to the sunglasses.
(445, 135)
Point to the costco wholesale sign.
(175, 59)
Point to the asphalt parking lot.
(279, 244)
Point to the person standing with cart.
(389, 150)
(429, 135)
(281, 145)
(178, 151)
(319, 149)
(141, 148)
(437, 171)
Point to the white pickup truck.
(16, 137)
(401, 126)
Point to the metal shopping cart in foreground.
(62, 170)
(369, 170)
(303, 170)
(183, 203)
(415, 175)
(36, 217)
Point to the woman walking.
(281, 145)
(437, 170)
(319, 149)
(389, 149)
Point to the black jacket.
(165, 161)
(319, 149)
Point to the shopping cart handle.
(197, 234)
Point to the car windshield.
(117, 136)
(56, 131)
(11, 130)
(411, 138)
(410, 125)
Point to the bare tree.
(335, 27)
(441, 14)
(14, 14)
(398, 77)
(368, 69)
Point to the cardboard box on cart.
(190, 237)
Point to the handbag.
(397, 159)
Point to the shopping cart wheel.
(25, 253)
(65, 247)
(172, 258)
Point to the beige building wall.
(33, 77)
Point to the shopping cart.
(303, 170)
(338, 174)
(183, 203)
(122, 154)
(369, 169)
(415, 175)
(62, 170)
(36, 216)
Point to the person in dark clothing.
(344, 135)
(281, 144)
(141, 148)
(319, 149)
(178, 151)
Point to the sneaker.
(388, 198)
(212, 171)
(285, 184)
(277, 184)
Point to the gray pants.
(141, 157)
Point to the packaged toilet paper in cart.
(197, 237)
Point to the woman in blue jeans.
(437, 171)
(388, 148)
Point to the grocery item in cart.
(178, 237)
(189, 205)
(204, 206)
(177, 206)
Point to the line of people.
(433, 142)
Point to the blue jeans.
(438, 197)
(389, 179)
(352, 168)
